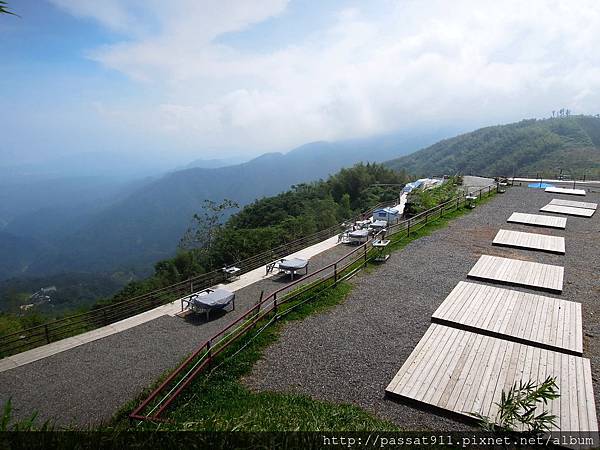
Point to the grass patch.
(217, 400)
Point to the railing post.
(365, 244)
(408, 228)
(426, 215)
(191, 287)
(275, 303)
(47, 333)
(208, 350)
(258, 305)
(457, 202)
(335, 274)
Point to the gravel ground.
(89, 383)
(350, 353)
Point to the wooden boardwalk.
(568, 210)
(517, 272)
(559, 190)
(545, 322)
(538, 220)
(530, 241)
(466, 372)
(586, 205)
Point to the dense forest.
(549, 147)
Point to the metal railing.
(159, 400)
(97, 317)
(565, 176)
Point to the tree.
(206, 225)
(4, 10)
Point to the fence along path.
(268, 308)
(169, 309)
(71, 326)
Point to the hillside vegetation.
(264, 224)
(529, 147)
(273, 221)
(142, 227)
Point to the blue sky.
(207, 78)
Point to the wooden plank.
(530, 241)
(589, 394)
(517, 272)
(474, 370)
(538, 220)
(585, 205)
(568, 210)
(567, 191)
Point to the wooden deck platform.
(530, 241)
(538, 220)
(586, 205)
(465, 372)
(567, 191)
(568, 210)
(517, 272)
(545, 322)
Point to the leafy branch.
(4, 10)
(206, 225)
(517, 409)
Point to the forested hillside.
(259, 226)
(570, 144)
(67, 293)
(144, 227)
(272, 221)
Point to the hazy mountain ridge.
(134, 230)
(527, 147)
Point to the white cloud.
(411, 62)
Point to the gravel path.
(350, 353)
(89, 383)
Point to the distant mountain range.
(89, 228)
(128, 226)
(549, 146)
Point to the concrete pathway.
(85, 383)
(170, 309)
